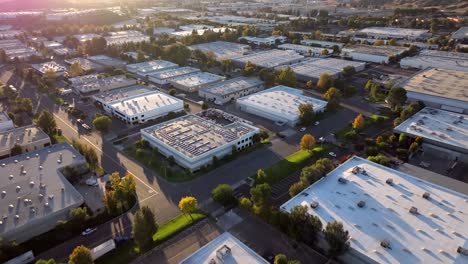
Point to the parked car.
(85, 126)
(332, 154)
(316, 123)
(302, 129)
(79, 121)
(88, 231)
(121, 239)
(92, 182)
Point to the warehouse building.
(29, 138)
(200, 32)
(89, 84)
(445, 133)
(157, 31)
(269, 59)
(143, 69)
(441, 59)
(225, 248)
(195, 81)
(224, 92)
(376, 54)
(163, 78)
(439, 88)
(391, 217)
(394, 33)
(107, 62)
(279, 104)
(321, 43)
(86, 65)
(461, 34)
(306, 50)
(51, 66)
(194, 140)
(5, 122)
(122, 37)
(110, 96)
(269, 41)
(222, 49)
(85, 37)
(136, 108)
(35, 194)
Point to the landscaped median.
(129, 251)
(292, 163)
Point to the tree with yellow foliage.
(188, 205)
(307, 142)
(358, 122)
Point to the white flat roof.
(232, 86)
(225, 249)
(222, 49)
(423, 62)
(171, 73)
(106, 60)
(85, 64)
(270, 58)
(196, 134)
(321, 43)
(438, 125)
(49, 66)
(142, 103)
(282, 101)
(197, 79)
(311, 70)
(431, 236)
(112, 82)
(375, 50)
(85, 37)
(392, 31)
(303, 48)
(461, 33)
(336, 64)
(150, 66)
(439, 82)
(118, 94)
(40, 183)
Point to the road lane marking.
(96, 147)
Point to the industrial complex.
(29, 138)
(195, 81)
(391, 217)
(222, 49)
(269, 59)
(232, 89)
(376, 54)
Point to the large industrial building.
(194, 140)
(311, 69)
(122, 37)
(269, 59)
(321, 43)
(461, 34)
(34, 193)
(268, 41)
(279, 104)
(143, 69)
(391, 217)
(86, 65)
(29, 138)
(224, 92)
(222, 49)
(225, 248)
(163, 78)
(439, 88)
(89, 84)
(194, 81)
(50, 67)
(445, 133)
(368, 53)
(107, 62)
(394, 33)
(306, 50)
(16, 49)
(441, 59)
(136, 105)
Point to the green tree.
(396, 97)
(144, 227)
(102, 123)
(46, 122)
(43, 261)
(286, 77)
(307, 142)
(281, 259)
(303, 226)
(324, 82)
(223, 194)
(177, 53)
(261, 177)
(249, 68)
(205, 106)
(172, 91)
(306, 114)
(3, 56)
(75, 69)
(348, 71)
(188, 205)
(358, 122)
(245, 203)
(333, 97)
(260, 195)
(379, 42)
(141, 56)
(227, 65)
(296, 188)
(392, 42)
(309, 84)
(81, 255)
(337, 238)
(79, 215)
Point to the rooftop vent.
(389, 181)
(413, 210)
(426, 195)
(385, 243)
(361, 204)
(342, 180)
(314, 204)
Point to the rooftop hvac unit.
(361, 204)
(462, 251)
(389, 181)
(385, 243)
(426, 195)
(314, 204)
(413, 210)
(342, 180)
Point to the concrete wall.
(439, 102)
